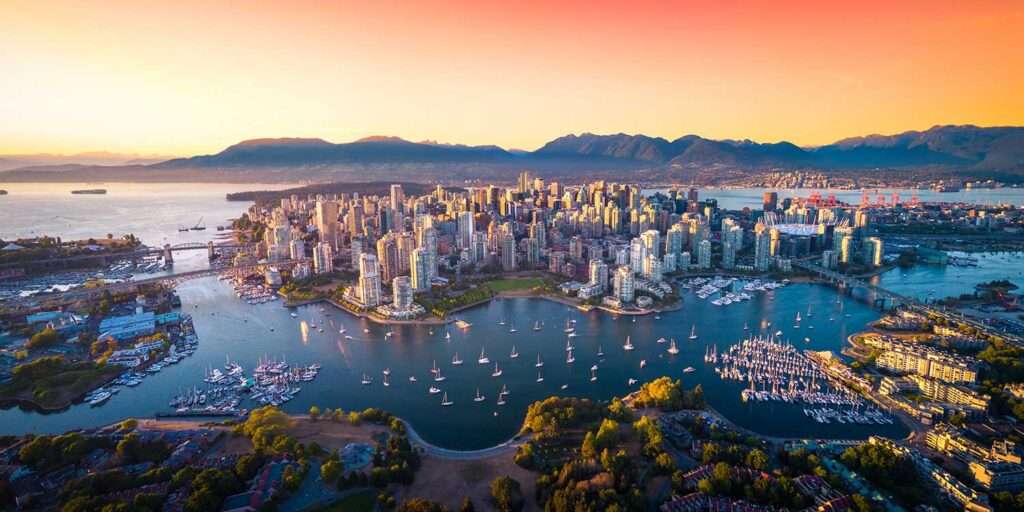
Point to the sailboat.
(809, 314)
(435, 369)
(569, 359)
(568, 345)
(600, 352)
(539, 362)
(387, 383)
(366, 380)
(693, 332)
(512, 328)
(456, 361)
(593, 373)
(672, 348)
(447, 335)
(797, 324)
(536, 325)
(497, 371)
(540, 376)
(643, 363)
(434, 390)
(387, 371)
(501, 399)
(438, 377)
(628, 345)
(746, 327)
(504, 390)
(662, 340)
(483, 357)
(412, 378)
(444, 400)
(569, 327)
(501, 322)
(514, 353)
(479, 397)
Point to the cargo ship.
(90, 191)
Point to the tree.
(44, 338)
(331, 470)
(589, 449)
(507, 494)
(314, 413)
(607, 434)
(467, 505)
(757, 459)
(420, 505)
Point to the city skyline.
(157, 78)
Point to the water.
(152, 212)
(228, 326)
(739, 198)
(928, 282)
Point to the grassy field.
(507, 285)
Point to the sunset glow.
(193, 77)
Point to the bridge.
(881, 295)
(167, 251)
(95, 293)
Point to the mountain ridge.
(960, 148)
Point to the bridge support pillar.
(168, 254)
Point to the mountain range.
(965, 149)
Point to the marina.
(353, 363)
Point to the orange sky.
(189, 77)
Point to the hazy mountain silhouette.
(995, 150)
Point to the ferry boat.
(456, 361)
(433, 390)
(479, 397)
(445, 402)
(497, 371)
(514, 353)
(693, 332)
(539, 362)
(672, 348)
(628, 345)
(483, 357)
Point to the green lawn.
(358, 502)
(505, 285)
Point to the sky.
(192, 77)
